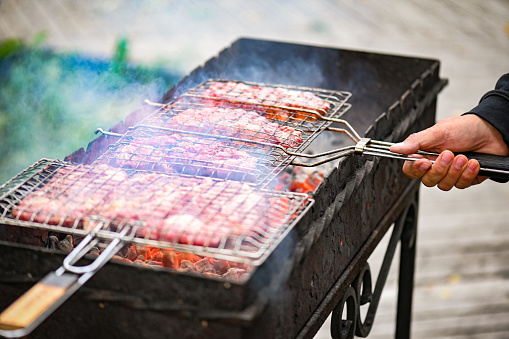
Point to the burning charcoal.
(51, 242)
(305, 180)
(123, 251)
(140, 262)
(189, 256)
(143, 250)
(132, 254)
(66, 244)
(233, 274)
(220, 266)
(282, 181)
(77, 240)
(187, 266)
(129, 252)
(205, 266)
(95, 250)
(157, 256)
(119, 258)
(170, 259)
(141, 257)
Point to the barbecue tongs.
(493, 166)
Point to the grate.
(163, 150)
(232, 130)
(225, 107)
(225, 219)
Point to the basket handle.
(33, 307)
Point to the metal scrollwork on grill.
(358, 294)
(347, 320)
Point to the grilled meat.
(183, 210)
(234, 122)
(265, 95)
(179, 153)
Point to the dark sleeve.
(494, 107)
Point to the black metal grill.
(314, 267)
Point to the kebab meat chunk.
(234, 122)
(180, 153)
(271, 96)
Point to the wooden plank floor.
(462, 278)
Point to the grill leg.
(406, 272)
(404, 232)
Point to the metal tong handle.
(494, 166)
(35, 305)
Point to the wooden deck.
(462, 278)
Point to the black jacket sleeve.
(494, 107)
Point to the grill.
(311, 264)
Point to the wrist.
(493, 142)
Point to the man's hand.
(456, 134)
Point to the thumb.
(430, 139)
(409, 146)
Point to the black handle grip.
(494, 166)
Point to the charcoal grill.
(319, 266)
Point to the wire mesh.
(225, 219)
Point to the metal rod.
(111, 134)
(345, 153)
(355, 137)
(384, 145)
(115, 245)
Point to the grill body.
(289, 294)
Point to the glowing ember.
(154, 257)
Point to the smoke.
(293, 70)
(51, 104)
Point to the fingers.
(429, 140)
(404, 147)
(439, 173)
(446, 172)
(416, 169)
(469, 175)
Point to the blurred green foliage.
(51, 103)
